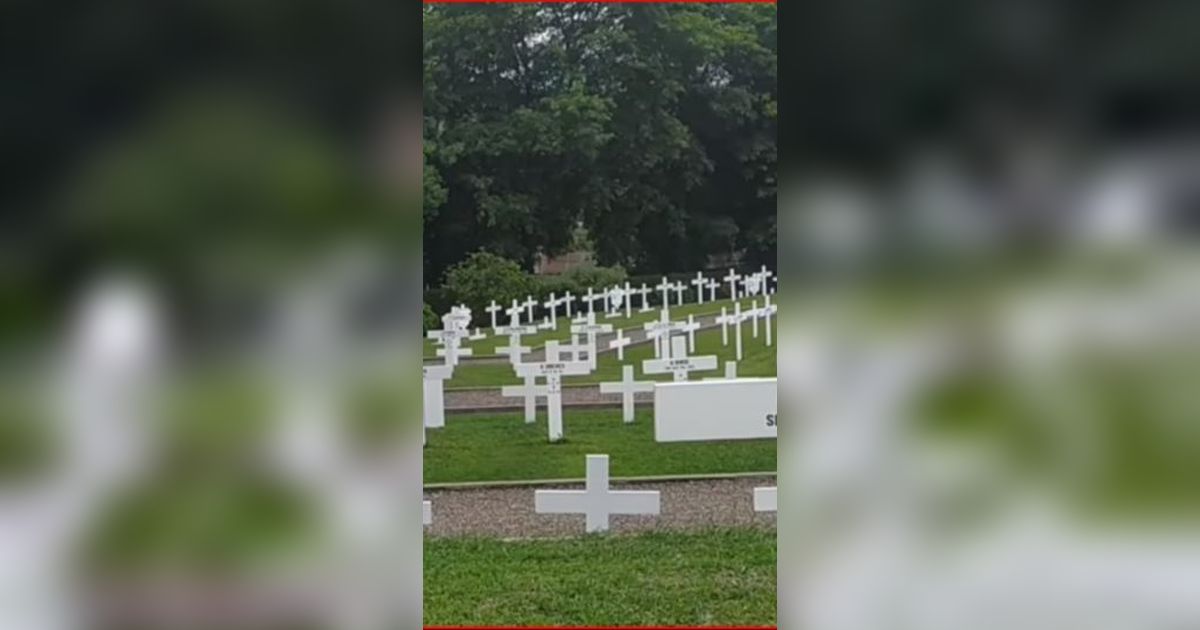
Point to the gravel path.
(685, 505)
(491, 400)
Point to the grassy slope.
(503, 448)
(718, 577)
(758, 360)
(488, 346)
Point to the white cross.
(660, 331)
(699, 283)
(645, 304)
(768, 311)
(514, 313)
(478, 335)
(690, 328)
(628, 301)
(552, 304)
(626, 387)
(546, 324)
(529, 304)
(552, 369)
(665, 287)
(568, 299)
(679, 363)
(591, 328)
(737, 318)
(679, 289)
(492, 310)
(426, 513)
(732, 279)
(619, 343)
(529, 391)
(590, 298)
(596, 500)
(514, 349)
(754, 315)
(450, 338)
(712, 289)
(433, 376)
(724, 320)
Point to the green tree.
(484, 277)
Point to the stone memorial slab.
(739, 409)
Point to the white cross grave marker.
(553, 369)
(529, 391)
(679, 363)
(724, 320)
(591, 328)
(679, 288)
(492, 309)
(732, 279)
(690, 328)
(626, 387)
(644, 291)
(712, 285)
(628, 301)
(699, 283)
(596, 500)
(665, 287)
(619, 343)
(552, 304)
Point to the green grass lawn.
(709, 578)
(504, 448)
(487, 347)
(758, 360)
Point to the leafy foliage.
(484, 277)
(653, 127)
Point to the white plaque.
(741, 409)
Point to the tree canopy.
(652, 126)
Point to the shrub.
(429, 319)
(484, 277)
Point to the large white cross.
(450, 338)
(514, 349)
(724, 320)
(568, 300)
(679, 288)
(690, 328)
(529, 391)
(552, 304)
(514, 313)
(616, 296)
(699, 283)
(628, 301)
(665, 287)
(768, 311)
(529, 304)
(754, 315)
(591, 300)
(737, 319)
(619, 342)
(644, 291)
(492, 309)
(591, 328)
(432, 379)
(552, 369)
(660, 331)
(712, 289)
(679, 363)
(732, 279)
(596, 501)
(626, 387)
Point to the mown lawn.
(758, 360)
(724, 577)
(487, 347)
(504, 448)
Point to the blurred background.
(209, 268)
(988, 222)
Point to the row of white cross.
(619, 297)
(598, 502)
